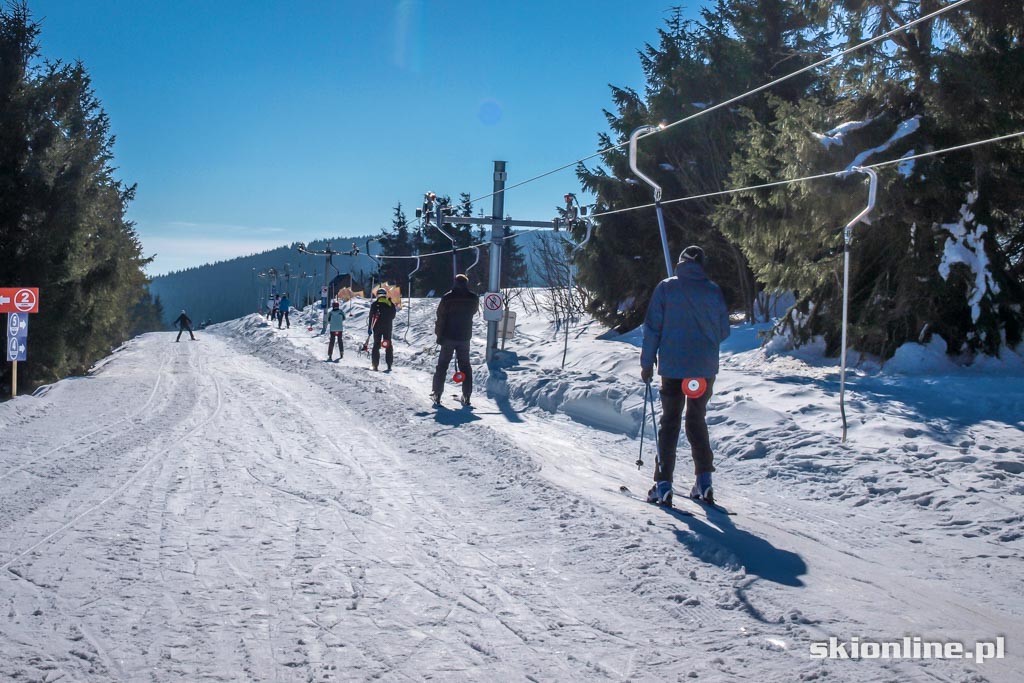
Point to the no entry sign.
(493, 306)
(19, 299)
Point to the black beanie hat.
(692, 253)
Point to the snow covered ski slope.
(237, 509)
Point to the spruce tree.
(942, 253)
(62, 213)
(736, 46)
(397, 242)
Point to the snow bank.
(917, 359)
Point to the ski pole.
(643, 429)
(649, 395)
(654, 425)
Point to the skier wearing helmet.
(382, 318)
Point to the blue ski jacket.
(686, 322)
(336, 319)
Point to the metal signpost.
(17, 303)
(498, 225)
(438, 216)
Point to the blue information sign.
(17, 336)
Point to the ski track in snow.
(236, 509)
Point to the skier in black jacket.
(454, 329)
(184, 323)
(382, 318)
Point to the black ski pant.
(672, 403)
(460, 349)
(282, 316)
(341, 345)
(181, 331)
(379, 335)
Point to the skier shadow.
(506, 409)
(453, 418)
(729, 544)
(497, 383)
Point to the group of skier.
(686, 322)
(453, 328)
(277, 309)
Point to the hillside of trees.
(229, 289)
(944, 252)
(62, 213)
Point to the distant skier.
(275, 305)
(336, 321)
(454, 329)
(282, 311)
(687, 320)
(184, 323)
(382, 318)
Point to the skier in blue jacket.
(686, 322)
(282, 312)
(336, 321)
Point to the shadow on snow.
(724, 544)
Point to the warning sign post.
(17, 303)
(493, 306)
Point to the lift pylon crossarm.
(501, 222)
(327, 251)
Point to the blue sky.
(248, 125)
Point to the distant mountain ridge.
(229, 289)
(225, 290)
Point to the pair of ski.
(699, 501)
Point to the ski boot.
(702, 488)
(661, 493)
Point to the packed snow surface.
(237, 509)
